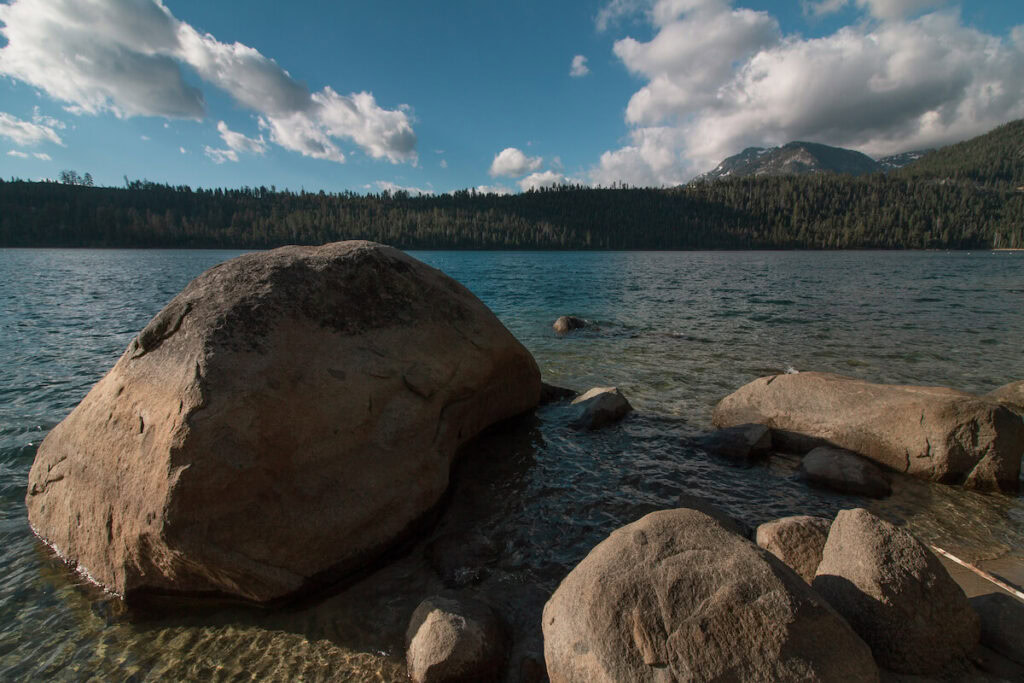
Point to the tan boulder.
(798, 541)
(1010, 395)
(675, 596)
(283, 421)
(895, 594)
(453, 638)
(933, 433)
(599, 407)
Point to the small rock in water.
(599, 407)
(798, 541)
(454, 638)
(549, 393)
(460, 559)
(895, 594)
(845, 472)
(740, 443)
(568, 323)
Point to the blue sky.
(435, 97)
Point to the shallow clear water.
(677, 332)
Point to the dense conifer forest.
(966, 196)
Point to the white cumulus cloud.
(27, 133)
(721, 78)
(535, 181)
(579, 67)
(512, 162)
(388, 186)
(493, 189)
(126, 57)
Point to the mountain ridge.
(801, 157)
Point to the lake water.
(677, 332)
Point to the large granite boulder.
(798, 541)
(675, 596)
(895, 593)
(844, 471)
(280, 423)
(930, 432)
(453, 638)
(1010, 395)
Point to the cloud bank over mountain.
(719, 78)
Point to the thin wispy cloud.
(126, 57)
(28, 133)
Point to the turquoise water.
(676, 331)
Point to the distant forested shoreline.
(966, 196)
(782, 212)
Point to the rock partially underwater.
(280, 424)
(933, 433)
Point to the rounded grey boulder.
(675, 596)
(568, 323)
(454, 638)
(798, 541)
(895, 593)
(844, 471)
(599, 407)
(279, 425)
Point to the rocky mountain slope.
(801, 158)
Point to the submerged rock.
(568, 323)
(461, 559)
(929, 432)
(675, 596)
(549, 393)
(740, 443)
(281, 423)
(452, 638)
(844, 471)
(895, 593)
(798, 541)
(599, 407)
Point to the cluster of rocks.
(679, 595)
(293, 416)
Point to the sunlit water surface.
(676, 331)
